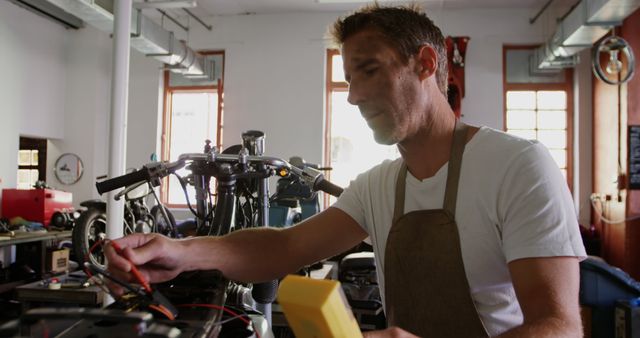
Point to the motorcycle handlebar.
(157, 170)
(122, 181)
(315, 179)
(252, 159)
(328, 187)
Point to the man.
(474, 230)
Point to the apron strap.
(453, 175)
(400, 192)
(455, 163)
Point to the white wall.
(488, 30)
(35, 54)
(33, 83)
(145, 110)
(274, 72)
(57, 86)
(88, 70)
(274, 81)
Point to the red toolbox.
(36, 205)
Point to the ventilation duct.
(147, 36)
(48, 10)
(587, 23)
(151, 39)
(543, 58)
(98, 13)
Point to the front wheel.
(88, 231)
(167, 229)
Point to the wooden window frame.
(29, 143)
(566, 86)
(330, 87)
(166, 120)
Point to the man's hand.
(392, 332)
(157, 257)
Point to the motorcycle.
(90, 228)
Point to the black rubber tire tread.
(80, 235)
(156, 213)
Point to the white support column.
(119, 105)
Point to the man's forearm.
(547, 327)
(251, 255)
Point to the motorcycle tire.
(86, 234)
(161, 224)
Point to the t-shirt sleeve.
(350, 201)
(535, 208)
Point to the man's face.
(384, 88)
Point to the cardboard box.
(58, 261)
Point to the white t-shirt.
(513, 202)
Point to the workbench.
(38, 293)
(31, 250)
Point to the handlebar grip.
(122, 181)
(328, 187)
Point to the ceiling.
(238, 7)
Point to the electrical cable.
(88, 254)
(211, 211)
(104, 273)
(244, 315)
(163, 310)
(134, 270)
(606, 220)
(99, 282)
(225, 309)
(45, 329)
(186, 195)
(144, 291)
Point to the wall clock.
(68, 168)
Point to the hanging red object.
(456, 52)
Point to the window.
(350, 148)
(192, 114)
(540, 109)
(32, 162)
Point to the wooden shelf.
(27, 237)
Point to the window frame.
(165, 137)
(30, 143)
(566, 86)
(330, 87)
(338, 90)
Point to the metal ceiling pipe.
(208, 27)
(544, 8)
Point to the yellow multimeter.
(317, 308)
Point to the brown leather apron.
(427, 292)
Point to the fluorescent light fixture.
(166, 4)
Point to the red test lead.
(134, 270)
